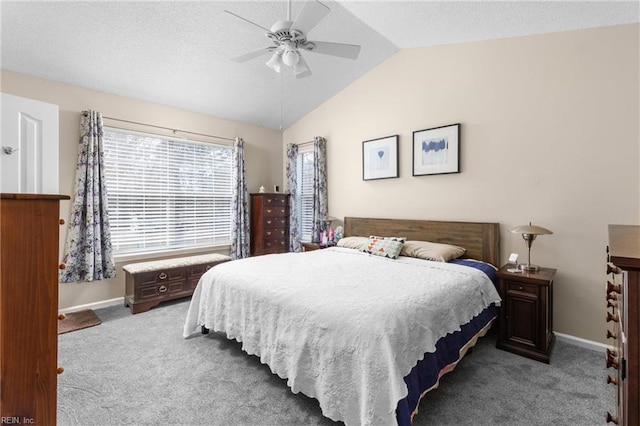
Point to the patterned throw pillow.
(384, 246)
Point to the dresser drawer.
(272, 201)
(274, 222)
(159, 277)
(275, 234)
(530, 290)
(276, 211)
(275, 246)
(196, 271)
(158, 290)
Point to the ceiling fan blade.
(248, 56)
(301, 69)
(349, 51)
(248, 24)
(312, 12)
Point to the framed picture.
(380, 158)
(436, 151)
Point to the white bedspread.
(341, 326)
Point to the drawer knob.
(611, 418)
(268, 210)
(268, 232)
(269, 200)
(207, 268)
(612, 359)
(520, 288)
(612, 304)
(612, 380)
(612, 296)
(62, 266)
(61, 221)
(162, 289)
(162, 276)
(611, 287)
(612, 317)
(61, 316)
(60, 370)
(268, 222)
(613, 269)
(611, 335)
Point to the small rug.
(77, 321)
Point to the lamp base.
(529, 267)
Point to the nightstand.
(315, 246)
(526, 314)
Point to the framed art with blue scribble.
(380, 158)
(436, 151)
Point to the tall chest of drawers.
(269, 223)
(623, 300)
(29, 234)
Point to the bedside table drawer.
(528, 289)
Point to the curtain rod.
(167, 128)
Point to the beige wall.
(549, 135)
(263, 150)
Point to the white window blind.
(166, 194)
(305, 194)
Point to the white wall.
(263, 150)
(550, 134)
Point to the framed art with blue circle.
(380, 158)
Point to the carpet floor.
(139, 370)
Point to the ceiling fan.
(290, 37)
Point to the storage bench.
(149, 283)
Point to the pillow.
(384, 246)
(432, 251)
(353, 242)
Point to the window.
(305, 193)
(166, 194)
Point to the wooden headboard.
(482, 240)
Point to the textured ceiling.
(177, 53)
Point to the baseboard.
(583, 343)
(95, 305)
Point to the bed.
(365, 335)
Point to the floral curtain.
(239, 204)
(320, 198)
(292, 187)
(88, 255)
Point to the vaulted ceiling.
(178, 53)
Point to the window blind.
(305, 194)
(166, 194)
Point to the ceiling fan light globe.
(290, 57)
(275, 63)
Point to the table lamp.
(529, 233)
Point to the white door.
(28, 146)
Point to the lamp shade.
(530, 229)
(529, 233)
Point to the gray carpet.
(137, 369)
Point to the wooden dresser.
(623, 300)
(269, 223)
(29, 307)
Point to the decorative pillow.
(384, 246)
(353, 242)
(432, 251)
